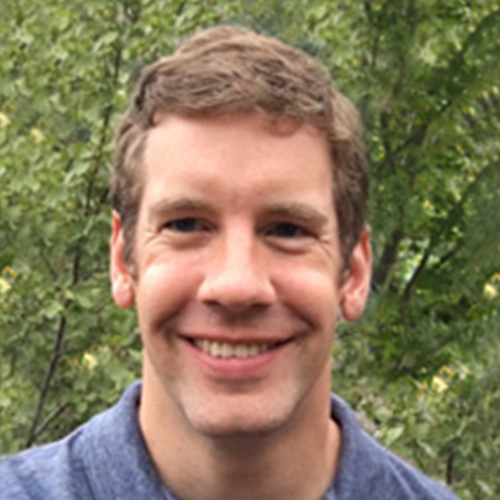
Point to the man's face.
(237, 276)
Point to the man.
(239, 233)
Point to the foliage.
(421, 368)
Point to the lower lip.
(237, 368)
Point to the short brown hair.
(229, 69)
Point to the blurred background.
(422, 368)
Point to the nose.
(237, 275)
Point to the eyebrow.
(164, 207)
(300, 212)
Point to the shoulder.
(71, 468)
(56, 470)
(369, 471)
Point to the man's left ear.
(356, 285)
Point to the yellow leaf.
(4, 120)
(438, 384)
(11, 272)
(5, 286)
(490, 291)
(37, 135)
(89, 361)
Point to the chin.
(236, 428)
(237, 420)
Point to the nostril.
(237, 292)
(238, 313)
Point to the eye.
(287, 230)
(185, 225)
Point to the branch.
(410, 286)
(424, 357)
(435, 236)
(449, 467)
(45, 260)
(180, 8)
(417, 138)
(49, 374)
(448, 255)
(104, 130)
(50, 418)
(37, 428)
(375, 45)
(445, 79)
(389, 256)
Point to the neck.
(297, 461)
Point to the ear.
(122, 284)
(356, 285)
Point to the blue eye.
(186, 225)
(287, 230)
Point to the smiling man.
(239, 234)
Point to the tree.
(421, 368)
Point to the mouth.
(238, 350)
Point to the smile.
(232, 350)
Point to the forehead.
(236, 142)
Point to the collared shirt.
(107, 459)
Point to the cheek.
(163, 290)
(314, 294)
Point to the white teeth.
(229, 350)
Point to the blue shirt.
(107, 459)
